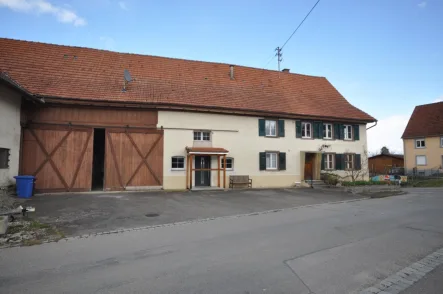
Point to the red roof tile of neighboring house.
(89, 74)
(425, 121)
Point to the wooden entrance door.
(309, 166)
(134, 158)
(59, 157)
(202, 177)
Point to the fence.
(425, 174)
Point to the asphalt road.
(327, 248)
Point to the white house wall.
(239, 135)
(10, 103)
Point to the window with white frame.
(271, 128)
(420, 160)
(271, 160)
(420, 143)
(177, 162)
(229, 163)
(327, 131)
(306, 130)
(348, 132)
(329, 161)
(202, 136)
(349, 161)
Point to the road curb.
(408, 276)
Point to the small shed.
(379, 164)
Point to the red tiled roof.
(206, 149)
(425, 121)
(89, 74)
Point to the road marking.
(408, 276)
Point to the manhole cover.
(151, 214)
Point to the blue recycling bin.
(25, 186)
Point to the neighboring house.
(11, 95)
(177, 124)
(423, 140)
(381, 164)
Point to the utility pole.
(279, 56)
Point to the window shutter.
(356, 132)
(282, 161)
(298, 129)
(338, 161)
(261, 127)
(336, 131)
(316, 125)
(357, 164)
(262, 158)
(281, 128)
(323, 159)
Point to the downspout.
(372, 126)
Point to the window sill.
(324, 138)
(270, 136)
(420, 147)
(306, 138)
(348, 139)
(177, 169)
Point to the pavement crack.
(285, 262)
(423, 230)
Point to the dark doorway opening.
(98, 160)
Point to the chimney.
(286, 70)
(231, 72)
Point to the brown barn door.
(59, 157)
(134, 158)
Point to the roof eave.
(8, 81)
(200, 108)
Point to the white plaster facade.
(10, 103)
(239, 134)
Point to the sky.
(384, 56)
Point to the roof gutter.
(5, 78)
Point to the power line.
(299, 25)
(270, 59)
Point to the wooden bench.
(240, 180)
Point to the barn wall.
(66, 134)
(97, 117)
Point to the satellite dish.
(127, 76)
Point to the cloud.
(108, 42)
(64, 15)
(122, 5)
(438, 100)
(422, 4)
(388, 133)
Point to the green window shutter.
(282, 161)
(323, 159)
(338, 161)
(262, 158)
(336, 131)
(317, 132)
(357, 164)
(356, 132)
(261, 127)
(298, 129)
(281, 128)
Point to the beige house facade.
(423, 140)
(424, 154)
(239, 135)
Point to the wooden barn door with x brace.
(134, 158)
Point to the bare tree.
(355, 173)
